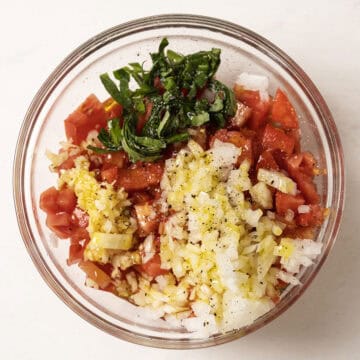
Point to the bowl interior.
(77, 77)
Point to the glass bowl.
(78, 75)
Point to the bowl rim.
(88, 48)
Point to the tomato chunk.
(266, 161)
(140, 198)
(48, 200)
(141, 176)
(76, 252)
(274, 138)
(94, 273)
(284, 202)
(90, 115)
(238, 139)
(260, 108)
(153, 267)
(66, 200)
(283, 112)
(109, 174)
(146, 218)
(117, 158)
(314, 217)
(60, 224)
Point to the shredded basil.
(173, 85)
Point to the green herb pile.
(176, 104)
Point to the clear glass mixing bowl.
(78, 75)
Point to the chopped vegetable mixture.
(186, 197)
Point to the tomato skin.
(141, 176)
(143, 118)
(66, 200)
(238, 139)
(117, 158)
(274, 138)
(260, 108)
(94, 273)
(48, 200)
(90, 115)
(152, 267)
(109, 174)
(60, 224)
(284, 202)
(76, 252)
(266, 161)
(314, 217)
(146, 220)
(283, 112)
(140, 198)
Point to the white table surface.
(324, 38)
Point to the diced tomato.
(94, 273)
(283, 112)
(260, 108)
(307, 188)
(274, 138)
(76, 252)
(117, 158)
(89, 116)
(146, 218)
(66, 200)
(80, 218)
(286, 202)
(141, 176)
(184, 92)
(158, 85)
(110, 174)
(112, 109)
(314, 217)
(143, 118)
(60, 224)
(48, 200)
(238, 139)
(152, 267)
(266, 161)
(79, 234)
(140, 198)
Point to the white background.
(322, 36)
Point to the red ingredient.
(94, 273)
(274, 138)
(152, 267)
(109, 174)
(314, 217)
(259, 108)
(66, 200)
(90, 115)
(60, 224)
(147, 220)
(238, 139)
(48, 200)
(284, 202)
(141, 176)
(266, 161)
(117, 158)
(283, 112)
(53, 200)
(140, 198)
(76, 252)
